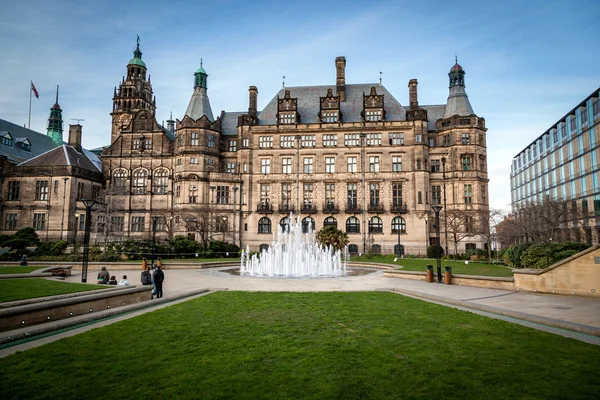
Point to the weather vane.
(283, 83)
(380, 73)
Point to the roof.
(40, 143)
(199, 105)
(65, 155)
(136, 61)
(458, 102)
(434, 112)
(229, 123)
(309, 103)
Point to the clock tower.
(134, 94)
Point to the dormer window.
(330, 108)
(373, 115)
(287, 118)
(329, 117)
(23, 143)
(25, 146)
(6, 139)
(373, 109)
(287, 109)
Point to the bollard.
(448, 276)
(429, 273)
(144, 264)
(159, 262)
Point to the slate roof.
(434, 112)
(308, 103)
(65, 155)
(199, 105)
(229, 123)
(458, 102)
(40, 143)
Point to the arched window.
(418, 163)
(264, 225)
(120, 178)
(138, 186)
(285, 223)
(375, 225)
(160, 181)
(398, 252)
(398, 223)
(352, 225)
(262, 247)
(305, 224)
(376, 249)
(352, 249)
(330, 221)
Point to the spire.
(458, 101)
(55, 123)
(137, 55)
(199, 104)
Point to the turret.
(458, 101)
(55, 123)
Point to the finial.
(380, 73)
(138, 39)
(283, 83)
(171, 117)
(456, 59)
(56, 94)
(200, 62)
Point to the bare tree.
(109, 212)
(461, 224)
(207, 225)
(487, 224)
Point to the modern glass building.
(563, 163)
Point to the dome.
(137, 61)
(456, 67)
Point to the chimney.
(340, 67)
(412, 94)
(75, 137)
(252, 102)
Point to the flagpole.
(30, 90)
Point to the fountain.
(294, 254)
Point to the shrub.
(183, 246)
(51, 248)
(434, 250)
(513, 254)
(543, 255)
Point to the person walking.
(159, 277)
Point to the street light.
(88, 203)
(438, 257)
(399, 252)
(154, 220)
(426, 233)
(235, 189)
(62, 221)
(445, 209)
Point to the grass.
(458, 267)
(30, 288)
(19, 270)
(241, 345)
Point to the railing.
(399, 208)
(264, 208)
(286, 208)
(353, 208)
(308, 209)
(330, 208)
(376, 207)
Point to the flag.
(37, 95)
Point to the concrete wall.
(579, 275)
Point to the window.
(308, 141)
(39, 222)
(374, 194)
(265, 166)
(481, 163)
(398, 224)
(80, 190)
(10, 223)
(195, 139)
(397, 139)
(137, 224)
(286, 142)
(353, 249)
(95, 191)
(6, 140)
(180, 140)
(286, 195)
(352, 225)
(232, 145)
(435, 165)
(222, 194)
(436, 194)
(465, 138)
(160, 181)
(352, 139)
(351, 164)
(117, 224)
(178, 191)
(159, 224)
(373, 163)
(468, 224)
(308, 165)
(397, 195)
(264, 225)
(193, 160)
(418, 138)
(375, 225)
(373, 115)
(245, 142)
(230, 167)
(466, 163)
(329, 140)
(139, 181)
(284, 223)
(374, 139)
(193, 194)
(330, 221)
(222, 224)
(351, 190)
(308, 224)
(329, 117)
(307, 195)
(210, 141)
(41, 191)
(330, 165)
(56, 187)
(483, 193)
(330, 195)
(265, 142)
(396, 163)
(265, 195)
(286, 165)
(418, 163)
(468, 192)
(14, 190)
(179, 162)
(287, 118)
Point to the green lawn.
(458, 267)
(242, 345)
(22, 289)
(19, 270)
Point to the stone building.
(349, 155)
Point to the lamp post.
(154, 220)
(62, 221)
(210, 211)
(364, 194)
(399, 252)
(445, 209)
(438, 257)
(88, 203)
(426, 233)
(235, 189)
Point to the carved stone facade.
(344, 154)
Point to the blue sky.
(527, 62)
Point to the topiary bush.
(434, 250)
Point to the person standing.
(159, 277)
